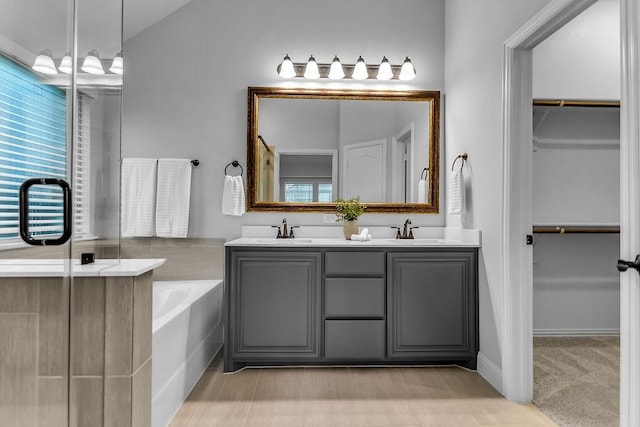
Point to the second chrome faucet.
(284, 232)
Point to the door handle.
(24, 211)
(625, 265)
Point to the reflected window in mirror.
(306, 148)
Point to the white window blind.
(33, 144)
(82, 170)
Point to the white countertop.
(342, 242)
(331, 236)
(60, 267)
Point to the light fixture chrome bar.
(323, 69)
(288, 69)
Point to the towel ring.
(235, 164)
(424, 173)
(462, 156)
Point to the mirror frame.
(256, 93)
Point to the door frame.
(517, 331)
(517, 193)
(406, 132)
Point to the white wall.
(576, 166)
(576, 177)
(582, 59)
(186, 80)
(576, 288)
(475, 35)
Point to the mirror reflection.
(312, 147)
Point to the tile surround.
(110, 335)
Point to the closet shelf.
(575, 143)
(583, 229)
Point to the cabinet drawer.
(354, 339)
(351, 263)
(354, 297)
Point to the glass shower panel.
(36, 111)
(97, 160)
(60, 97)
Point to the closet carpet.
(577, 379)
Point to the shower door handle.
(625, 265)
(24, 211)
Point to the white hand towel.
(138, 197)
(233, 196)
(422, 191)
(456, 193)
(173, 197)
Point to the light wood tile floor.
(350, 397)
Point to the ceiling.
(30, 26)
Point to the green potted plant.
(348, 211)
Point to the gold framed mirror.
(308, 147)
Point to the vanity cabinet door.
(432, 312)
(274, 309)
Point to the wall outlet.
(328, 218)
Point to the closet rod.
(566, 229)
(575, 103)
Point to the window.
(305, 190)
(33, 143)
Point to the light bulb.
(360, 70)
(92, 63)
(44, 63)
(407, 72)
(384, 71)
(66, 65)
(285, 69)
(117, 66)
(311, 70)
(336, 72)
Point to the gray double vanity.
(330, 301)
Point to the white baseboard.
(490, 372)
(574, 332)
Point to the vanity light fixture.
(44, 63)
(285, 69)
(360, 70)
(407, 72)
(92, 63)
(384, 71)
(336, 70)
(311, 69)
(66, 65)
(117, 66)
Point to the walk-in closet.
(576, 292)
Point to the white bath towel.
(233, 196)
(422, 191)
(138, 197)
(173, 197)
(456, 193)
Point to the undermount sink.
(416, 241)
(274, 241)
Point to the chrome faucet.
(284, 233)
(404, 230)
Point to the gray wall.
(186, 82)
(475, 36)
